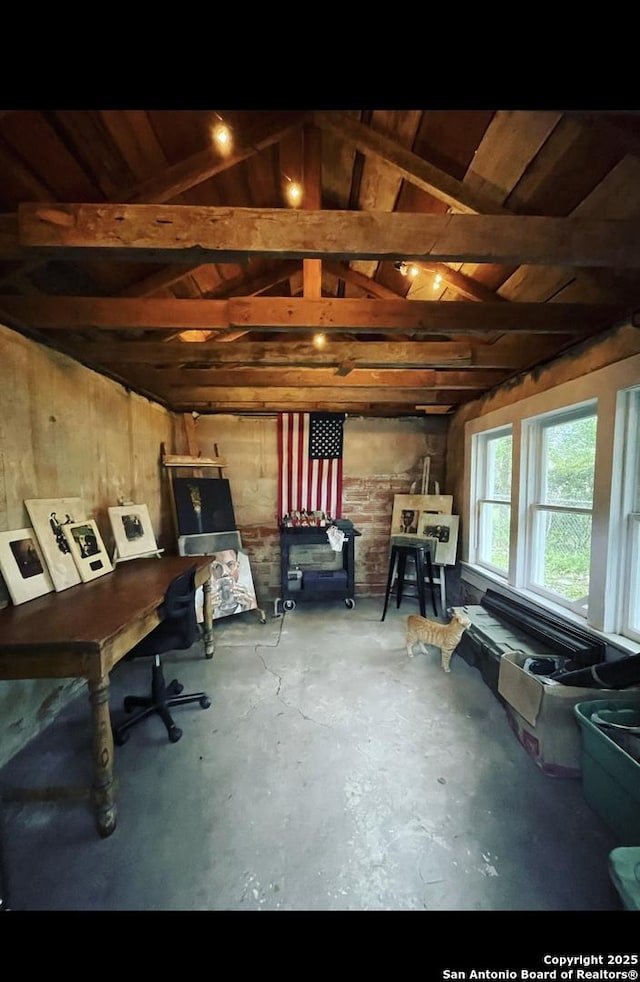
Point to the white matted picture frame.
(23, 566)
(48, 518)
(408, 508)
(132, 531)
(444, 528)
(87, 549)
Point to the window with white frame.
(493, 454)
(630, 570)
(559, 494)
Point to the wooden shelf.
(183, 460)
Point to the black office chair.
(178, 630)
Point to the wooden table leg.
(207, 609)
(103, 785)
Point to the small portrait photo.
(439, 532)
(408, 521)
(86, 540)
(23, 566)
(26, 557)
(132, 526)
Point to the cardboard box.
(487, 639)
(542, 717)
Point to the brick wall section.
(382, 458)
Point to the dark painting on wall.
(203, 505)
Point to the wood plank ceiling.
(438, 252)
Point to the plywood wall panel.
(67, 431)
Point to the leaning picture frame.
(408, 510)
(232, 587)
(48, 518)
(132, 531)
(88, 549)
(444, 530)
(23, 566)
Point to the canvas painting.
(87, 549)
(407, 509)
(48, 518)
(203, 505)
(132, 531)
(232, 589)
(23, 566)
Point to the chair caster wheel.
(350, 603)
(175, 688)
(289, 605)
(120, 738)
(175, 733)
(205, 702)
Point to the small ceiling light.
(293, 192)
(413, 272)
(437, 281)
(222, 136)
(320, 340)
(194, 335)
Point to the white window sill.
(483, 579)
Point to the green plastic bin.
(624, 870)
(610, 774)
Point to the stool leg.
(392, 562)
(402, 563)
(443, 590)
(430, 574)
(419, 554)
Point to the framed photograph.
(132, 531)
(203, 505)
(407, 509)
(23, 566)
(444, 528)
(48, 518)
(87, 549)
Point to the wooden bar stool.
(420, 552)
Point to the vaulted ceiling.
(438, 252)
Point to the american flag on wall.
(310, 462)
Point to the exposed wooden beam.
(463, 285)
(408, 165)
(343, 272)
(268, 407)
(186, 233)
(312, 183)
(225, 395)
(329, 315)
(268, 128)
(275, 354)
(259, 378)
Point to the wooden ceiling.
(121, 229)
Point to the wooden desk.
(84, 631)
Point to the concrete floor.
(332, 773)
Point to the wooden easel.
(195, 465)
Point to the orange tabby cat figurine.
(446, 637)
